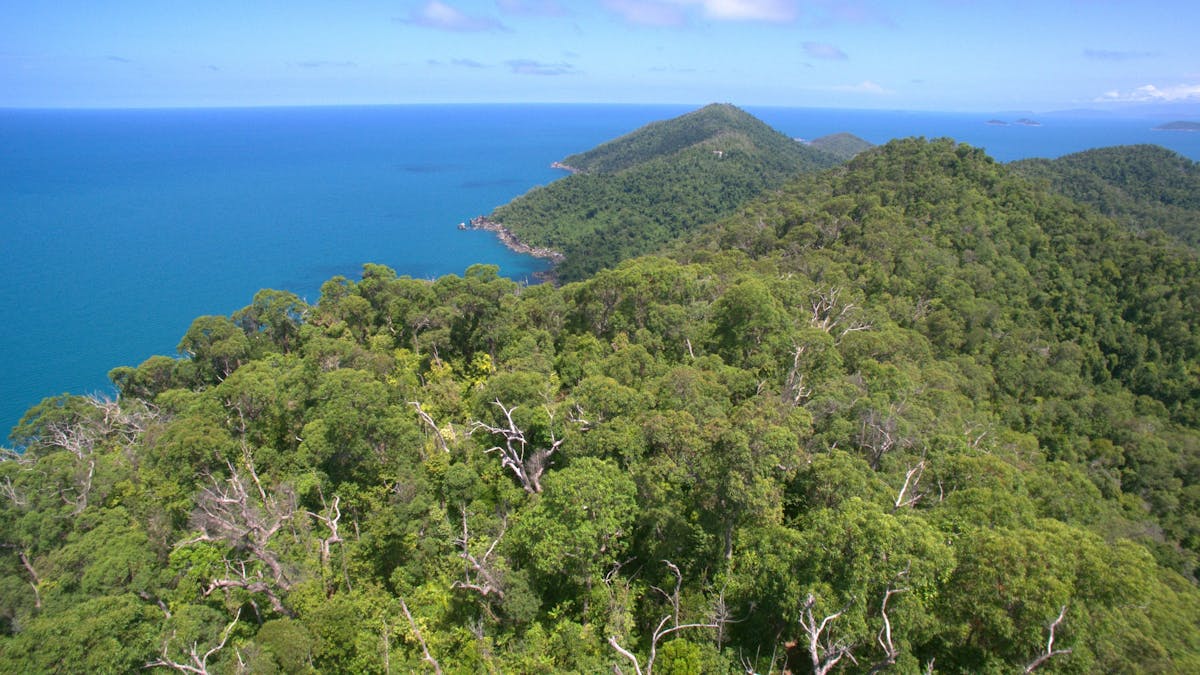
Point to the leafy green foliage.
(844, 146)
(638, 192)
(1146, 187)
(917, 410)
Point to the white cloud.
(532, 7)
(531, 67)
(326, 64)
(676, 12)
(1150, 93)
(864, 87)
(1115, 55)
(440, 16)
(643, 13)
(748, 10)
(820, 50)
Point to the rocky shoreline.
(514, 244)
(564, 167)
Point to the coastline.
(512, 243)
(565, 167)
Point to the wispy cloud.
(678, 12)
(1150, 93)
(750, 10)
(820, 50)
(117, 59)
(864, 87)
(531, 67)
(533, 7)
(847, 11)
(440, 16)
(1115, 55)
(643, 13)
(457, 63)
(326, 64)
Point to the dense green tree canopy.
(915, 412)
(655, 185)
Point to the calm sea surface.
(120, 227)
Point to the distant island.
(1178, 126)
(1024, 122)
(844, 146)
(634, 194)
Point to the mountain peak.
(632, 195)
(670, 137)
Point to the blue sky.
(954, 55)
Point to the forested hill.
(974, 251)
(915, 413)
(843, 145)
(1143, 186)
(667, 138)
(638, 192)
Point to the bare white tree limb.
(198, 663)
(830, 312)
(637, 667)
(672, 597)
(911, 479)
(1050, 651)
(329, 516)
(661, 631)
(794, 389)
(890, 651)
(824, 652)
(230, 513)
(527, 466)
(480, 573)
(35, 581)
(417, 634)
(433, 427)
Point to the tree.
(526, 464)
(217, 346)
(579, 526)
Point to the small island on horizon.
(1023, 122)
(1179, 125)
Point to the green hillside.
(913, 413)
(638, 192)
(1146, 187)
(844, 146)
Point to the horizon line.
(1124, 109)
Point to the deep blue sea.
(120, 227)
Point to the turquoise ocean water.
(120, 227)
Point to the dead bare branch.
(911, 479)
(661, 631)
(527, 466)
(824, 651)
(1050, 652)
(417, 633)
(890, 651)
(434, 430)
(198, 663)
(329, 516)
(480, 574)
(672, 597)
(35, 581)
